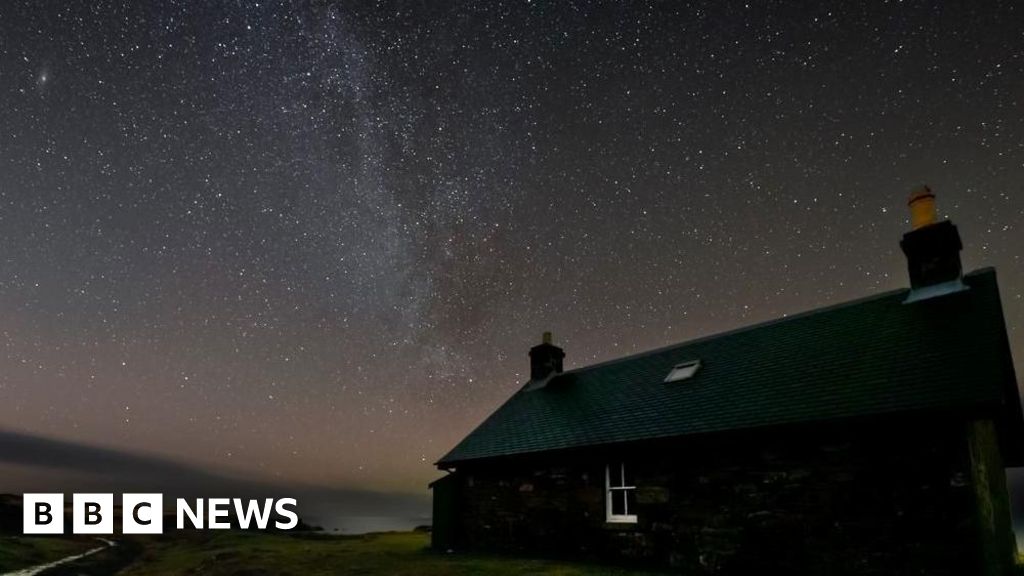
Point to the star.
(322, 237)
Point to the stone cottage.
(869, 437)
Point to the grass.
(237, 553)
(397, 554)
(18, 552)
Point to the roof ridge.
(758, 325)
(748, 327)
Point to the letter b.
(92, 514)
(42, 514)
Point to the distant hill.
(10, 514)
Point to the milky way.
(312, 242)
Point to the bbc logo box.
(92, 514)
(42, 514)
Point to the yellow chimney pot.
(546, 338)
(922, 207)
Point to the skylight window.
(683, 371)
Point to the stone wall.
(988, 477)
(876, 497)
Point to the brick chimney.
(545, 359)
(932, 248)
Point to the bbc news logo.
(143, 513)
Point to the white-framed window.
(620, 493)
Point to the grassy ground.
(265, 554)
(397, 554)
(258, 554)
(22, 551)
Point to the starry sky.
(310, 243)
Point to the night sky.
(311, 242)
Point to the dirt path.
(32, 571)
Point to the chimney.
(545, 359)
(932, 248)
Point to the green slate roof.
(871, 356)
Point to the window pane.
(618, 502)
(627, 476)
(683, 371)
(615, 475)
(630, 501)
